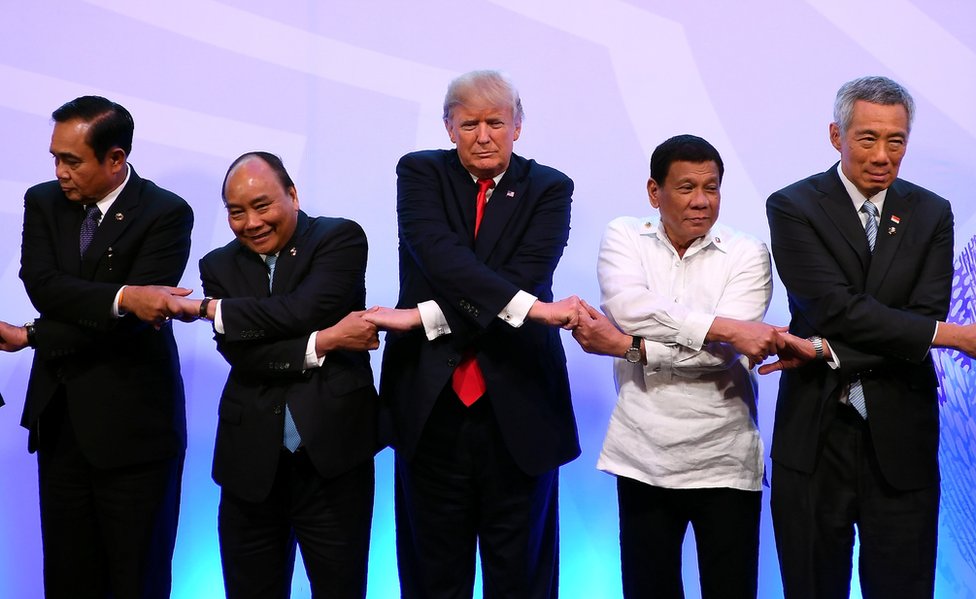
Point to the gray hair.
(493, 87)
(875, 89)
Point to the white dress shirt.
(686, 419)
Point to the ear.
(450, 130)
(518, 131)
(294, 197)
(115, 158)
(652, 191)
(835, 136)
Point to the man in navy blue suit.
(475, 371)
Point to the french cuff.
(116, 310)
(834, 361)
(517, 310)
(692, 331)
(432, 317)
(311, 359)
(218, 320)
(659, 359)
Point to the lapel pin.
(119, 216)
(510, 194)
(293, 251)
(895, 219)
(891, 231)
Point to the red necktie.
(467, 380)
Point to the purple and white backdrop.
(342, 89)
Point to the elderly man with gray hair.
(866, 259)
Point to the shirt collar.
(105, 204)
(710, 238)
(857, 197)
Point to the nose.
(251, 220)
(880, 154)
(60, 170)
(699, 199)
(483, 136)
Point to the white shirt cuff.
(834, 361)
(218, 320)
(311, 359)
(116, 312)
(692, 331)
(432, 317)
(516, 311)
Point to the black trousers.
(815, 515)
(329, 518)
(462, 491)
(653, 522)
(107, 533)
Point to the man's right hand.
(352, 333)
(400, 320)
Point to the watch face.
(632, 355)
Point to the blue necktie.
(89, 226)
(856, 394)
(291, 438)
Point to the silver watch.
(633, 354)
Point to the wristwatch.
(633, 354)
(817, 342)
(203, 307)
(31, 332)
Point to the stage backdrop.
(342, 89)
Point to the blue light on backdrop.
(341, 90)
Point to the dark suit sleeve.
(862, 331)
(453, 271)
(329, 290)
(159, 259)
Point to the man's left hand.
(597, 335)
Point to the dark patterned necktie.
(88, 227)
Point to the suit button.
(277, 410)
(452, 362)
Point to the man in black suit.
(105, 407)
(297, 429)
(475, 374)
(866, 259)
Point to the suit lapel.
(839, 207)
(69, 217)
(895, 219)
(255, 272)
(505, 199)
(123, 211)
(289, 256)
(466, 194)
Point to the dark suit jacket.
(120, 376)
(319, 279)
(522, 236)
(878, 313)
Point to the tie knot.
(270, 260)
(485, 184)
(869, 208)
(92, 212)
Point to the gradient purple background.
(342, 89)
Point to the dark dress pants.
(329, 518)
(814, 518)
(653, 522)
(107, 533)
(462, 491)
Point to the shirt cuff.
(692, 331)
(834, 361)
(311, 359)
(433, 319)
(116, 311)
(218, 320)
(516, 311)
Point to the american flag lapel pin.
(510, 194)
